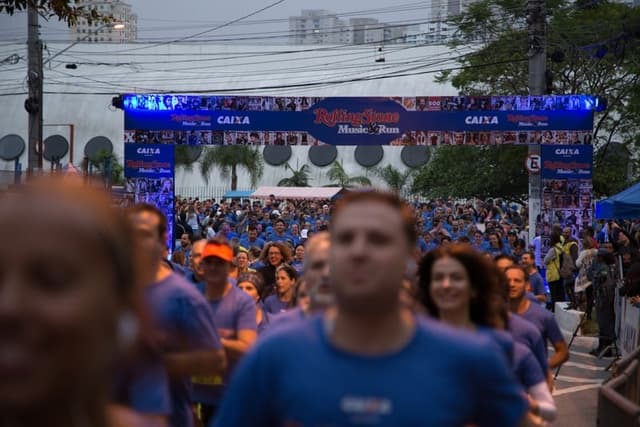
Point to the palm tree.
(340, 178)
(299, 178)
(182, 158)
(394, 178)
(228, 159)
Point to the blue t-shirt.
(442, 377)
(231, 313)
(545, 322)
(275, 238)
(531, 297)
(295, 240)
(298, 265)
(286, 318)
(422, 245)
(143, 386)
(537, 284)
(183, 318)
(273, 305)
(494, 251)
(245, 243)
(526, 333)
(526, 366)
(263, 326)
(191, 278)
(503, 339)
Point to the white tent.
(297, 192)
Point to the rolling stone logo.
(368, 121)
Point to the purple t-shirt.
(184, 322)
(441, 377)
(531, 297)
(545, 322)
(231, 313)
(526, 366)
(273, 305)
(142, 385)
(503, 339)
(288, 317)
(537, 284)
(526, 333)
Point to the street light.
(115, 26)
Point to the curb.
(568, 321)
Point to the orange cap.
(219, 250)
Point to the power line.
(407, 73)
(181, 39)
(288, 70)
(208, 66)
(335, 74)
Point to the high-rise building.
(365, 30)
(437, 29)
(98, 32)
(317, 26)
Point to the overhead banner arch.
(165, 120)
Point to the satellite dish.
(415, 155)
(322, 155)
(369, 155)
(11, 147)
(276, 155)
(55, 148)
(97, 145)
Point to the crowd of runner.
(368, 311)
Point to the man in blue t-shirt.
(526, 333)
(251, 239)
(536, 282)
(280, 232)
(234, 314)
(370, 361)
(194, 274)
(181, 317)
(518, 281)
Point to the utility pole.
(537, 22)
(34, 103)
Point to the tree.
(68, 11)
(228, 159)
(395, 179)
(103, 163)
(299, 177)
(613, 174)
(340, 178)
(592, 48)
(183, 158)
(468, 171)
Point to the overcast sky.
(167, 19)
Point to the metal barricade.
(618, 398)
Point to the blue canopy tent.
(624, 205)
(238, 194)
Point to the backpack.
(567, 266)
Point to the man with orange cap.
(234, 315)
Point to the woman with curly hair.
(464, 289)
(448, 293)
(273, 255)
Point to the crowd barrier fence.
(619, 396)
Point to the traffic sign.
(533, 163)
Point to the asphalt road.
(576, 389)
